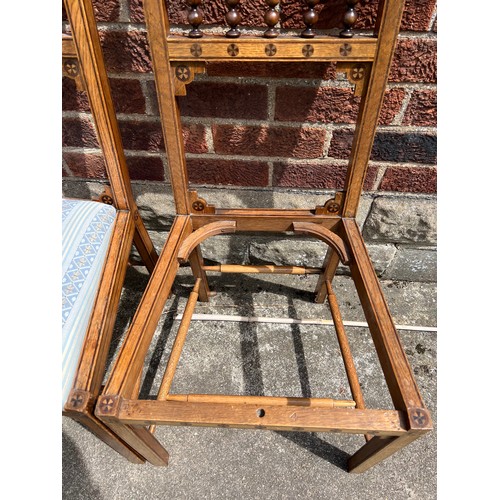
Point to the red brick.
(79, 132)
(310, 70)
(136, 11)
(88, 166)
(195, 138)
(393, 99)
(215, 11)
(145, 168)
(316, 176)
(330, 15)
(225, 100)
(104, 10)
(227, 172)
(329, 104)
(316, 104)
(269, 141)
(415, 60)
(409, 180)
(422, 109)
(126, 51)
(416, 17)
(138, 135)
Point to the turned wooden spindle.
(233, 18)
(195, 18)
(310, 19)
(349, 19)
(271, 18)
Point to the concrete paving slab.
(262, 358)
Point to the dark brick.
(409, 180)
(227, 172)
(79, 132)
(142, 135)
(92, 166)
(269, 141)
(329, 104)
(404, 148)
(316, 176)
(72, 98)
(341, 144)
(138, 135)
(225, 100)
(422, 109)
(126, 51)
(127, 95)
(145, 168)
(303, 70)
(415, 60)
(88, 166)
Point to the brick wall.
(277, 134)
(264, 125)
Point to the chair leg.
(196, 262)
(329, 268)
(105, 434)
(144, 245)
(377, 449)
(143, 441)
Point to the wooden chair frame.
(176, 60)
(83, 61)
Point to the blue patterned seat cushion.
(86, 233)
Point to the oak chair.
(177, 58)
(97, 240)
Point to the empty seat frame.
(176, 60)
(98, 239)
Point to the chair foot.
(141, 439)
(104, 433)
(377, 449)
